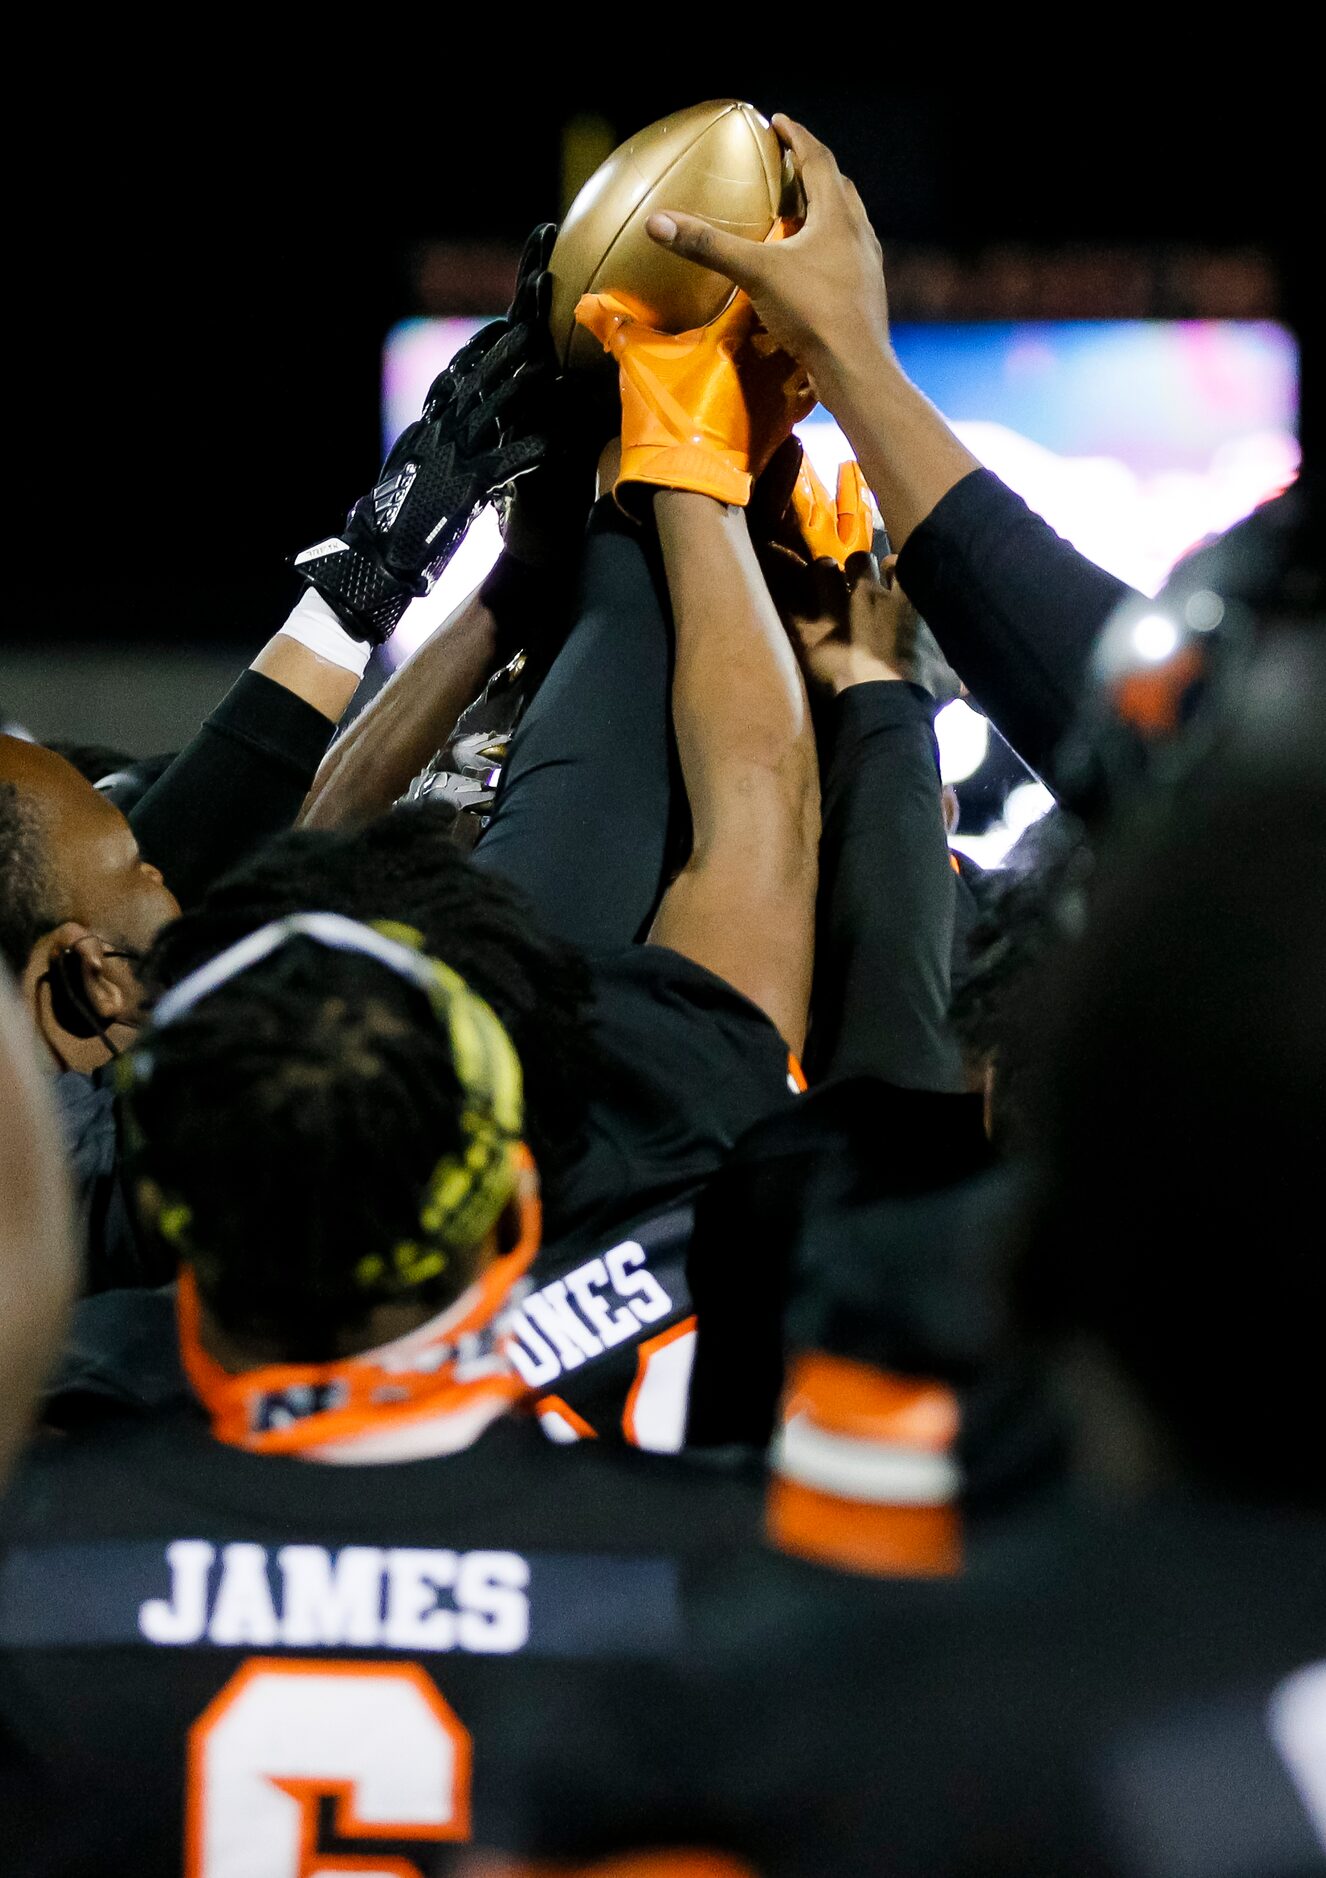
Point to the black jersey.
(670, 1329)
(225, 1663)
(607, 1337)
(689, 1065)
(1140, 1697)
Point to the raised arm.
(701, 414)
(821, 294)
(1015, 609)
(744, 904)
(244, 773)
(247, 773)
(884, 928)
(396, 734)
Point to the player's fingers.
(831, 589)
(788, 579)
(856, 524)
(814, 160)
(809, 494)
(538, 247)
(742, 261)
(860, 566)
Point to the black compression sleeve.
(240, 780)
(581, 821)
(1014, 607)
(884, 925)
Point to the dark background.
(209, 256)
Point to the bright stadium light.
(1025, 805)
(963, 736)
(1155, 638)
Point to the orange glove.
(833, 533)
(703, 410)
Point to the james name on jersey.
(304, 1596)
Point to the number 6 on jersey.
(283, 1735)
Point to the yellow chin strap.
(466, 1194)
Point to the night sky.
(206, 275)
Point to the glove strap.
(686, 466)
(368, 600)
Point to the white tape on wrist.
(317, 628)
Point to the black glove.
(482, 424)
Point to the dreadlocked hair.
(404, 866)
(291, 1122)
(29, 891)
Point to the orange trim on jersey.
(850, 1398)
(1152, 700)
(381, 1389)
(644, 1352)
(554, 1405)
(906, 1541)
(954, 863)
(308, 1792)
(796, 1073)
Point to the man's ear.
(78, 961)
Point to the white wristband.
(316, 627)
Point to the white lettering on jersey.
(416, 1620)
(561, 1326)
(613, 1326)
(181, 1618)
(243, 1612)
(329, 1600)
(632, 1279)
(404, 1597)
(552, 1312)
(494, 1611)
(535, 1359)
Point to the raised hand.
(484, 423)
(850, 625)
(833, 527)
(701, 410)
(819, 291)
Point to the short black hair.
(1180, 1117)
(298, 1113)
(30, 900)
(405, 866)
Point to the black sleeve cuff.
(1015, 608)
(865, 711)
(262, 714)
(885, 704)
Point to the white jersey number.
(377, 1738)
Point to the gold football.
(718, 160)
